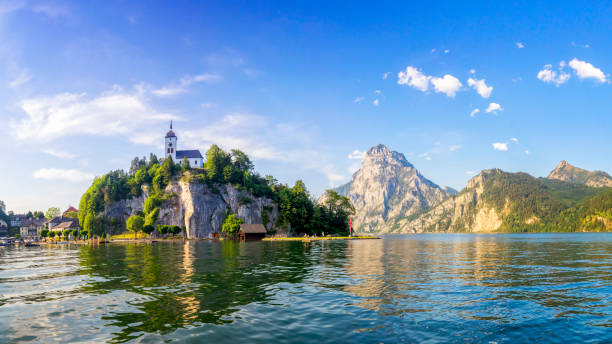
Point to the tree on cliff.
(216, 160)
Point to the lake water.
(507, 288)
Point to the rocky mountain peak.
(388, 188)
(382, 155)
(569, 173)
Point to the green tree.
(148, 229)
(44, 233)
(185, 164)
(296, 207)
(65, 233)
(52, 212)
(75, 234)
(231, 225)
(241, 161)
(216, 160)
(134, 224)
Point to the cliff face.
(572, 174)
(386, 189)
(201, 208)
(465, 211)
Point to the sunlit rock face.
(568, 173)
(201, 208)
(387, 189)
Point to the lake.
(430, 288)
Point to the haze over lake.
(498, 288)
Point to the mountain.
(495, 200)
(387, 189)
(568, 173)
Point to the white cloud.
(62, 174)
(527, 152)
(184, 83)
(494, 107)
(448, 85)
(481, 87)
(208, 105)
(385, 75)
(358, 99)
(500, 146)
(472, 71)
(520, 45)
(23, 77)
(455, 147)
(375, 102)
(377, 92)
(414, 78)
(67, 114)
(470, 172)
(446, 51)
(59, 154)
(550, 76)
(514, 139)
(585, 70)
(356, 155)
(474, 112)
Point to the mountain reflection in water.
(413, 288)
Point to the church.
(193, 155)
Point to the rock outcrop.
(201, 208)
(463, 212)
(387, 189)
(572, 174)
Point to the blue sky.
(302, 87)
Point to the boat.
(31, 244)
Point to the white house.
(193, 155)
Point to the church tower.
(171, 144)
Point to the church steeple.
(170, 146)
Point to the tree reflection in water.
(175, 285)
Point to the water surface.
(415, 288)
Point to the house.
(70, 209)
(193, 156)
(3, 229)
(56, 221)
(252, 232)
(69, 224)
(30, 228)
(15, 220)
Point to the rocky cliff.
(463, 212)
(568, 173)
(201, 208)
(387, 189)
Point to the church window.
(168, 150)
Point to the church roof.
(189, 154)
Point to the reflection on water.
(419, 288)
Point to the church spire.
(170, 124)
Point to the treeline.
(591, 214)
(296, 206)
